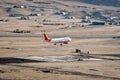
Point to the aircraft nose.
(70, 39)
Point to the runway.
(37, 35)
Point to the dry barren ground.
(21, 46)
(82, 70)
(35, 46)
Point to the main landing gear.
(60, 44)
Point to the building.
(98, 23)
(34, 14)
(19, 6)
(25, 18)
(15, 15)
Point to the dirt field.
(35, 46)
(22, 46)
(95, 39)
(85, 70)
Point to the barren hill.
(115, 3)
(49, 7)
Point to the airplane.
(64, 40)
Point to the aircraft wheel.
(61, 44)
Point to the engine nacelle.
(65, 42)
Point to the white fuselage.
(61, 40)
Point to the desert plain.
(97, 40)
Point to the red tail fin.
(46, 37)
